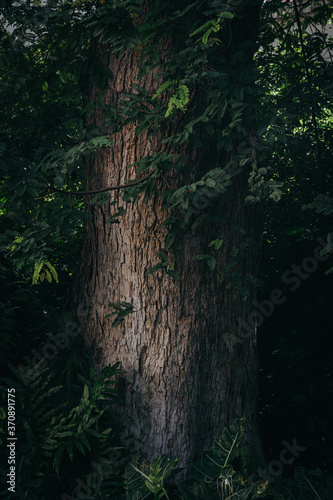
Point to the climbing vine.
(210, 90)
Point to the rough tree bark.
(182, 380)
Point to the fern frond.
(321, 204)
(184, 94)
(37, 271)
(163, 87)
(44, 269)
(53, 271)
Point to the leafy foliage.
(274, 121)
(295, 373)
(64, 410)
(322, 204)
(59, 432)
(212, 26)
(221, 454)
(214, 477)
(65, 32)
(178, 100)
(142, 481)
(121, 310)
(44, 270)
(191, 198)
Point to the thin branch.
(103, 190)
(121, 186)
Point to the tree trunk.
(184, 378)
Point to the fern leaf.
(48, 275)
(321, 204)
(37, 270)
(184, 94)
(163, 87)
(52, 271)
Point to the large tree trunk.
(183, 379)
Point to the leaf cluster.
(215, 477)
(62, 429)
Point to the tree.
(180, 137)
(189, 367)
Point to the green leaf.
(309, 484)
(156, 267)
(173, 274)
(69, 447)
(58, 181)
(85, 397)
(206, 35)
(85, 441)
(212, 264)
(57, 458)
(210, 182)
(170, 240)
(79, 445)
(227, 15)
(202, 257)
(220, 455)
(164, 86)
(216, 243)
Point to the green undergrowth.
(69, 440)
(68, 443)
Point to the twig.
(121, 186)
(103, 190)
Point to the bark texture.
(182, 380)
